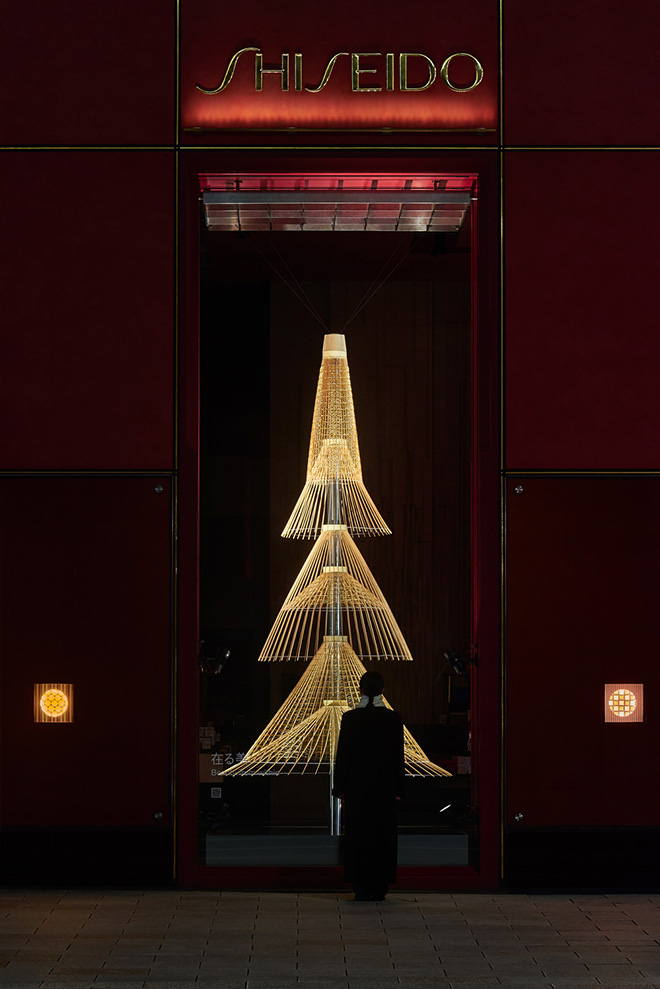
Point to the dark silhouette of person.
(369, 774)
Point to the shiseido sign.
(361, 72)
(255, 86)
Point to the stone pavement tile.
(467, 971)
(422, 941)
(510, 943)
(430, 959)
(119, 959)
(116, 984)
(506, 956)
(517, 981)
(71, 984)
(570, 980)
(338, 969)
(14, 982)
(262, 941)
(312, 917)
(429, 970)
(266, 982)
(175, 948)
(277, 973)
(148, 945)
(111, 971)
(373, 982)
(217, 953)
(460, 953)
(617, 926)
(226, 982)
(219, 974)
(46, 942)
(422, 983)
(330, 942)
(602, 954)
(634, 937)
(473, 982)
(413, 951)
(370, 972)
(650, 967)
(556, 968)
(12, 942)
(368, 939)
(26, 969)
(521, 972)
(173, 972)
(381, 964)
(611, 976)
(319, 981)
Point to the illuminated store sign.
(262, 87)
(360, 64)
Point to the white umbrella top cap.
(334, 345)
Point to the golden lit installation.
(335, 612)
(334, 456)
(624, 702)
(53, 702)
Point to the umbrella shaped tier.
(304, 726)
(334, 469)
(335, 588)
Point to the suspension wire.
(297, 283)
(293, 285)
(376, 284)
(296, 288)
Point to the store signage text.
(390, 70)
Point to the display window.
(303, 277)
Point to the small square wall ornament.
(53, 703)
(624, 702)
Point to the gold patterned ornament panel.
(624, 703)
(53, 703)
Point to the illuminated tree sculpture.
(335, 613)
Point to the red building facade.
(114, 127)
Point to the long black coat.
(369, 774)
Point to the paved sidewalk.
(181, 940)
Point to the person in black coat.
(369, 774)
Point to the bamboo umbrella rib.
(296, 750)
(358, 510)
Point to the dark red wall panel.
(75, 73)
(85, 574)
(581, 73)
(582, 342)
(88, 315)
(582, 584)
